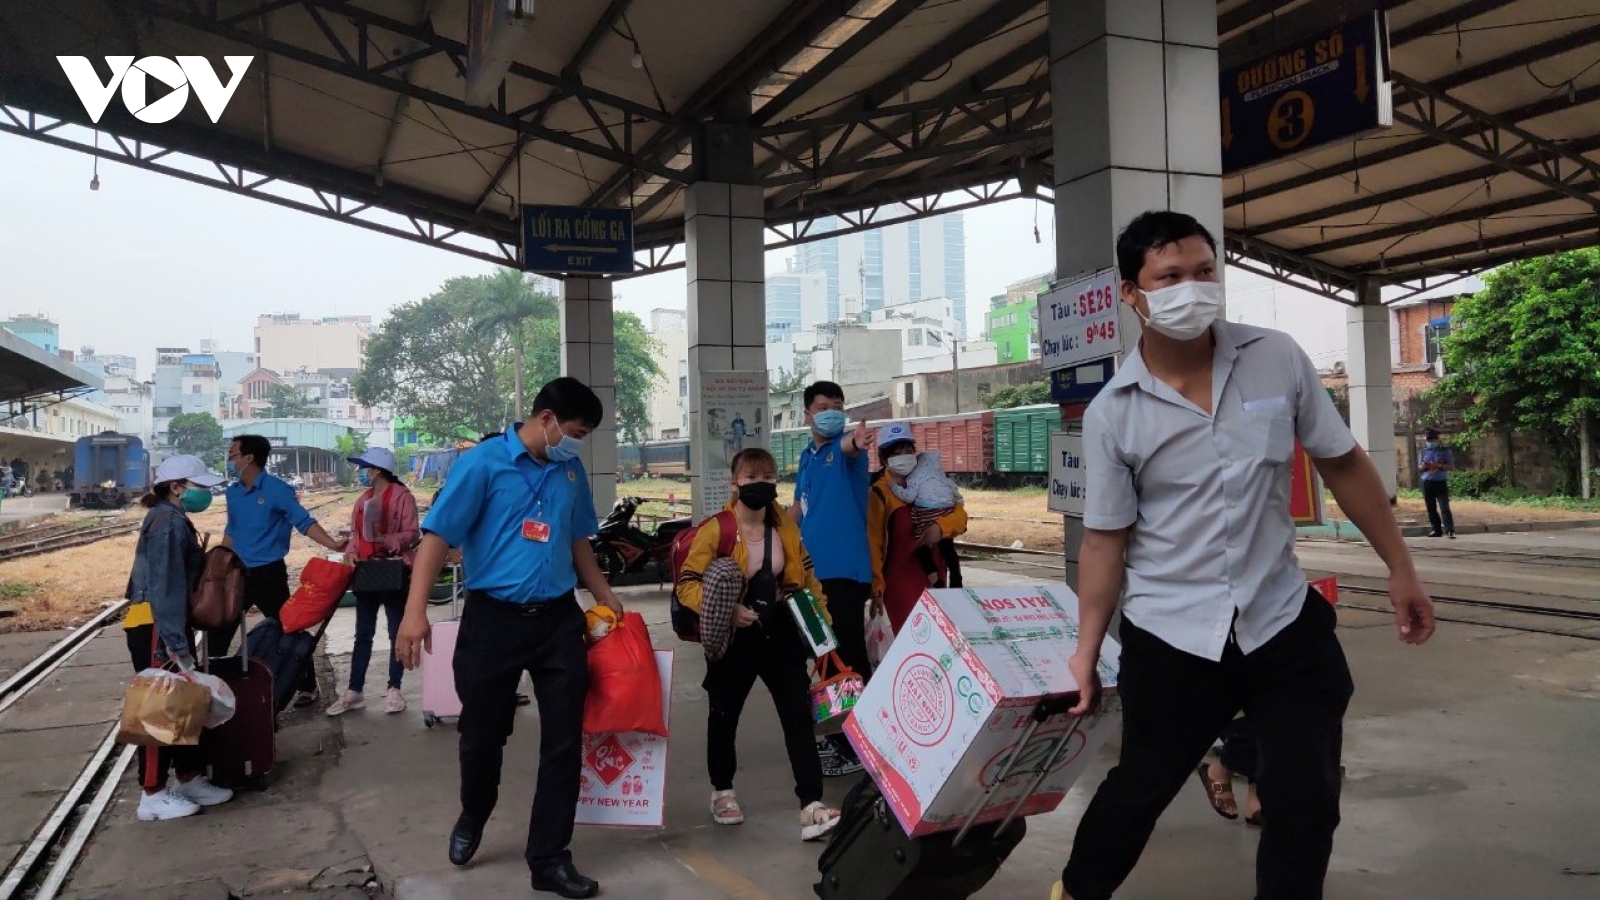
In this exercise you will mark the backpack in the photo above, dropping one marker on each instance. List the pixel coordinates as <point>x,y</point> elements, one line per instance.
<point>218,597</point>
<point>685,621</point>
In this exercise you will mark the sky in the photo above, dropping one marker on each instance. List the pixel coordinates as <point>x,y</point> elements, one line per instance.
<point>150,260</point>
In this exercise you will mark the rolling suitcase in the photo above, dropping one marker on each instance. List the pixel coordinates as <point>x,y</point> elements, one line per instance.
<point>285,655</point>
<point>439,700</point>
<point>870,857</point>
<point>242,752</point>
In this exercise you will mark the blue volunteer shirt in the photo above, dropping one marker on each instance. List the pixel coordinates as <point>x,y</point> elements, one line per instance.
<point>493,489</point>
<point>832,493</point>
<point>259,519</point>
<point>1440,455</point>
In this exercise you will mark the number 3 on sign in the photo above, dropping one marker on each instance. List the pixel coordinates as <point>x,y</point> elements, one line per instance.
<point>1102,331</point>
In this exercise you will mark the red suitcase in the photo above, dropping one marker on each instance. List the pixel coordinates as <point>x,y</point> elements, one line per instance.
<point>243,751</point>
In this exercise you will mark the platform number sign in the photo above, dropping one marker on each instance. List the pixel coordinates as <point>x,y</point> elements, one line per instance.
<point>1325,89</point>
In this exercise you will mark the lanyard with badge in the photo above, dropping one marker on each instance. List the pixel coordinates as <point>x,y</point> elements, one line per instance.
<point>535,528</point>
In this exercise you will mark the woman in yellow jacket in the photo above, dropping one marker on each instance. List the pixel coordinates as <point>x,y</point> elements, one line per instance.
<point>898,577</point>
<point>743,593</point>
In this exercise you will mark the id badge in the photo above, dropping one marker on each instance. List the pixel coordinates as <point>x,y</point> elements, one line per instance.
<point>535,530</point>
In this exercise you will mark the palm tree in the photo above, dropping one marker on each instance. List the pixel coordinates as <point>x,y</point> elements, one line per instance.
<point>507,301</point>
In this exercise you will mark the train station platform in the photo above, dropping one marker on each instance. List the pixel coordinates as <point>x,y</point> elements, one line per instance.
<point>1470,774</point>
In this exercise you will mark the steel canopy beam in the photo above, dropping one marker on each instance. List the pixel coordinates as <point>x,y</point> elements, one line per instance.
<point>853,45</point>
<point>1567,233</point>
<point>1290,267</point>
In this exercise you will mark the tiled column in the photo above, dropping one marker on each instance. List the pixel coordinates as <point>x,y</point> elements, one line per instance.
<point>588,353</point>
<point>1136,129</point>
<point>726,270</point>
<point>1371,369</point>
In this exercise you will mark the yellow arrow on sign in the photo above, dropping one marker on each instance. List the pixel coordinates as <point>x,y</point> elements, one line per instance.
<point>1227,123</point>
<point>1361,72</point>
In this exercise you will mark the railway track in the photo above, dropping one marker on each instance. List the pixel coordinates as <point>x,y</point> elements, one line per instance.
<point>74,536</point>
<point>40,869</point>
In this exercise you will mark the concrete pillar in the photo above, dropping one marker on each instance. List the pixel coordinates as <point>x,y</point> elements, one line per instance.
<point>588,353</point>
<point>726,272</point>
<point>1136,129</point>
<point>1371,369</point>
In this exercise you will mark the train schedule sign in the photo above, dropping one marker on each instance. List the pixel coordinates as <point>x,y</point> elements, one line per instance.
<point>1330,87</point>
<point>1078,321</point>
<point>1069,485</point>
<point>577,240</point>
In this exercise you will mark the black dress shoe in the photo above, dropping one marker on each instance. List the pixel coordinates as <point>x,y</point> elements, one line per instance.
<point>563,878</point>
<point>464,840</point>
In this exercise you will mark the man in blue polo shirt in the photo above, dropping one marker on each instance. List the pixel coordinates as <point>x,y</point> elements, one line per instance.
<point>262,509</point>
<point>831,509</point>
<point>520,509</point>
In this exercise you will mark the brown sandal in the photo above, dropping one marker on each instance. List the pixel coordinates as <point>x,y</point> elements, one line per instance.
<point>1220,793</point>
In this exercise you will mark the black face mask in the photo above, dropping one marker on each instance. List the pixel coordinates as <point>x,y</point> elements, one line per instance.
<point>758,494</point>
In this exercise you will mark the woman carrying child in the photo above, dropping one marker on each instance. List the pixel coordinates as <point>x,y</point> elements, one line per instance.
<point>904,537</point>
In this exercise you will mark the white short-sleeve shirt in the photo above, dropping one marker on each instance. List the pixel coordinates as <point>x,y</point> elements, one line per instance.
<point>1207,496</point>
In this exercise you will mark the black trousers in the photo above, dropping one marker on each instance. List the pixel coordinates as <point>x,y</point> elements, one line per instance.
<point>266,588</point>
<point>1240,755</point>
<point>1294,689</point>
<point>495,644</point>
<point>153,763</point>
<point>1436,494</point>
<point>847,604</point>
<point>775,656</point>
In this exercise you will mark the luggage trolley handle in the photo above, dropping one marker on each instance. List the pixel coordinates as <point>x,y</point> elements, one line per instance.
<point>1042,711</point>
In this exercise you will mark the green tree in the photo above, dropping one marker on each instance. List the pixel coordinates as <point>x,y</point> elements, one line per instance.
<point>637,363</point>
<point>1017,395</point>
<point>198,434</point>
<point>1524,354</point>
<point>788,381</point>
<point>509,302</point>
<point>435,362</point>
<point>286,401</point>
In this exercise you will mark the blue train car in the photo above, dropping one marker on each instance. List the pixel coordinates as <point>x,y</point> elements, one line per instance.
<point>109,471</point>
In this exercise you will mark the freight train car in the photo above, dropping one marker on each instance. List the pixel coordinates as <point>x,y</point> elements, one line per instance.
<point>109,471</point>
<point>654,459</point>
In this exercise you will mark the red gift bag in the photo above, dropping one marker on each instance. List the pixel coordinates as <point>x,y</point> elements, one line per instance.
<point>624,682</point>
<point>321,585</point>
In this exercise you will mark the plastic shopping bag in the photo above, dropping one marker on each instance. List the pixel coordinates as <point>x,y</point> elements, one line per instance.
<point>223,703</point>
<point>163,709</point>
<point>322,585</point>
<point>880,634</point>
<point>624,682</point>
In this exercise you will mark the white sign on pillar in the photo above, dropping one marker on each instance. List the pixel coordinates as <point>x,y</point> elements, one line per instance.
<point>734,408</point>
<point>1078,321</point>
<point>1069,485</point>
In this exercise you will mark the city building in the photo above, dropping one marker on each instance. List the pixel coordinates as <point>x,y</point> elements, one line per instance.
<point>39,330</point>
<point>1012,322</point>
<point>669,399</point>
<point>184,382</point>
<point>285,342</point>
<point>796,302</point>
<point>888,266</point>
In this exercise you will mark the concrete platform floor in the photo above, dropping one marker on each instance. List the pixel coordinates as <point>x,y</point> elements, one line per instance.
<point>1471,762</point>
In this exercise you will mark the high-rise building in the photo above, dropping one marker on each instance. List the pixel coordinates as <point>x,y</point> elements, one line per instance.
<point>669,400</point>
<point>288,343</point>
<point>900,263</point>
<point>796,303</point>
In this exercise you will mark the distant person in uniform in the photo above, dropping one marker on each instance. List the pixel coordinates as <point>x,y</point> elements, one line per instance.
<point>831,508</point>
<point>1436,463</point>
<point>262,510</point>
<point>1188,526</point>
<point>739,430</point>
<point>520,509</point>
<point>166,561</point>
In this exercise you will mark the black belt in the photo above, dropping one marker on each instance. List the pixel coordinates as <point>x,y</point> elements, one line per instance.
<point>531,608</point>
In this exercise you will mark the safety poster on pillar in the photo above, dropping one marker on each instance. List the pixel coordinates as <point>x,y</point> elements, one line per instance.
<point>734,409</point>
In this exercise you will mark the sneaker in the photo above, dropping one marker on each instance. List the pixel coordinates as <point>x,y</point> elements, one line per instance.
<point>199,790</point>
<point>1450,534</point>
<point>394,702</point>
<point>306,698</point>
<point>165,805</point>
<point>836,764</point>
<point>1435,534</point>
<point>347,701</point>
<point>817,820</point>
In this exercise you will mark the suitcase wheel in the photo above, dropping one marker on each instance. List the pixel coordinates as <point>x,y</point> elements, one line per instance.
<point>429,719</point>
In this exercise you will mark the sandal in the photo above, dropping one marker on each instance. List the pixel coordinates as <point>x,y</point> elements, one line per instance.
<point>1220,793</point>
<point>725,808</point>
<point>816,820</point>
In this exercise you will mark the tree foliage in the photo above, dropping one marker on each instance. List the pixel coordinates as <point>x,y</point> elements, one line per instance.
<point>449,359</point>
<point>788,381</point>
<point>198,434</point>
<point>285,401</point>
<point>1017,395</point>
<point>1524,353</point>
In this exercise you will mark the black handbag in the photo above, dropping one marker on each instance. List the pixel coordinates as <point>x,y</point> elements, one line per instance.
<point>375,576</point>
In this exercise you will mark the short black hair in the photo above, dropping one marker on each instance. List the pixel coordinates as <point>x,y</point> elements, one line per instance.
<point>1431,434</point>
<point>570,399</point>
<point>256,447</point>
<point>823,389</point>
<point>1152,231</point>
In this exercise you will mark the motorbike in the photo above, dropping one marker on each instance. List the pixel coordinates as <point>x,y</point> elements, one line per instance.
<point>10,486</point>
<point>621,547</point>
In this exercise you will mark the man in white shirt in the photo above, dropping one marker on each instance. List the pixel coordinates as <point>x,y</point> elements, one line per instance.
<point>1187,451</point>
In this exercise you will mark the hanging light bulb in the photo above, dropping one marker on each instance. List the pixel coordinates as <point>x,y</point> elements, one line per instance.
<point>94,183</point>
<point>638,58</point>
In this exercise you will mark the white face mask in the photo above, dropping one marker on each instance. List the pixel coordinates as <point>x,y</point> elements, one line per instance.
<point>903,464</point>
<point>1184,311</point>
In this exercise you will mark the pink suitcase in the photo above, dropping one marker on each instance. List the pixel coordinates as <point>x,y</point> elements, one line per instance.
<point>439,700</point>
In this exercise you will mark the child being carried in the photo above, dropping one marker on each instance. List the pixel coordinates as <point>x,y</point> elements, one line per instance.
<point>932,495</point>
